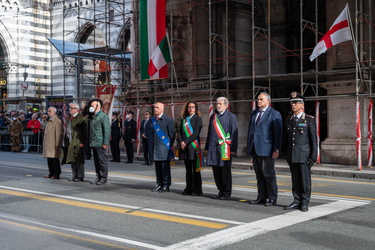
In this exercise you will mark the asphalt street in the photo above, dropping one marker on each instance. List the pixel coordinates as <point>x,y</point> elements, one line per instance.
<point>39,213</point>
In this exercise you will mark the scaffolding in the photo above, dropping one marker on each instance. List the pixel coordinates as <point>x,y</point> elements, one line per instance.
<point>217,55</point>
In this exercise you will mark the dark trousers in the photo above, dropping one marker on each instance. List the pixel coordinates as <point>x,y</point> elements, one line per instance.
<point>193,178</point>
<point>301,182</point>
<point>147,151</point>
<point>88,152</point>
<point>223,179</point>
<point>54,167</point>
<point>264,167</point>
<point>163,173</point>
<point>78,170</point>
<point>129,150</point>
<point>101,163</point>
<point>115,149</point>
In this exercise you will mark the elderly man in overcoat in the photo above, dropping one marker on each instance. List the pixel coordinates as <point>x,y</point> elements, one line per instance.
<point>163,138</point>
<point>221,144</point>
<point>74,142</point>
<point>52,144</point>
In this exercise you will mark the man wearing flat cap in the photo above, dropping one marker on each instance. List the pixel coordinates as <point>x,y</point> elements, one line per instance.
<point>302,151</point>
<point>100,131</point>
<point>130,130</point>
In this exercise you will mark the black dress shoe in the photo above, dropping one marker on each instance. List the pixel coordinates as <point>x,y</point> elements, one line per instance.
<point>112,160</point>
<point>218,195</point>
<point>156,189</point>
<point>95,181</point>
<point>186,192</point>
<point>55,177</point>
<point>78,179</point>
<point>225,197</point>
<point>47,176</point>
<point>270,203</point>
<point>258,201</point>
<point>292,206</point>
<point>164,189</point>
<point>129,161</point>
<point>304,208</point>
<point>195,194</point>
<point>102,182</point>
<point>144,163</point>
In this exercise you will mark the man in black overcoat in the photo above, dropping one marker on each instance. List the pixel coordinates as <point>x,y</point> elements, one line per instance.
<point>130,135</point>
<point>222,164</point>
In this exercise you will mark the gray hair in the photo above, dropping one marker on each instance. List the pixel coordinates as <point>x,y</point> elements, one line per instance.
<point>224,99</point>
<point>75,105</point>
<point>266,95</point>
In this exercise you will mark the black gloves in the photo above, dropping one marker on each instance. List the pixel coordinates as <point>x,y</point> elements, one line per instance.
<point>310,163</point>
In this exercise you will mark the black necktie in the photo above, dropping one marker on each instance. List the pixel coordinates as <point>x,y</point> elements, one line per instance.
<point>295,120</point>
<point>259,116</point>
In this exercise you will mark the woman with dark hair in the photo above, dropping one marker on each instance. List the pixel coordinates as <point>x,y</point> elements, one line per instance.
<point>190,150</point>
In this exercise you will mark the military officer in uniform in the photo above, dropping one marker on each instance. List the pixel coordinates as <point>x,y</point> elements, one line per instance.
<point>302,151</point>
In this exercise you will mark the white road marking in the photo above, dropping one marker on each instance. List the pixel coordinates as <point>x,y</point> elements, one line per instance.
<point>125,206</point>
<point>239,233</point>
<point>83,232</point>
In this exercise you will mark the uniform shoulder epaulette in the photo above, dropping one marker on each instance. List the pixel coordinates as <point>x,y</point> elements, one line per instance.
<point>310,116</point>
<point>288,117</point>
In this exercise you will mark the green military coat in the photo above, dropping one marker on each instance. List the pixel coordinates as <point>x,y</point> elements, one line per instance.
<point>71,150</point>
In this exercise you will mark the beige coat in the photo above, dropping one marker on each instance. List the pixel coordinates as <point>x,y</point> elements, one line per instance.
<point>53,138</point>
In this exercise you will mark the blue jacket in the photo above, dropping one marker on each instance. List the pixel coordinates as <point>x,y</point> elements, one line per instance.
<point>161,152</point>
<point>266,136</point>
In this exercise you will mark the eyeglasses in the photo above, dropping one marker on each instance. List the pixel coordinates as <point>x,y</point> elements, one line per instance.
<point>71,108</point>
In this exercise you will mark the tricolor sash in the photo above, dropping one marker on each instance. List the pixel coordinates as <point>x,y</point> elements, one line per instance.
<point>188,129</point>
<point>160,133</point>
<point>224,140</point>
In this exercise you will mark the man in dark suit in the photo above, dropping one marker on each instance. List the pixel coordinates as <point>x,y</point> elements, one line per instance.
<point>263,145</point>
<point>130,135</point>
<point>302,151</point>
<point>221,144</point>
<point>116,129</point>
<point>146,132</point>
<point>163,138</point>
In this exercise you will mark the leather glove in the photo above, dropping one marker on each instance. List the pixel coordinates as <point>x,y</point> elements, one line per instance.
<point>310,163</point>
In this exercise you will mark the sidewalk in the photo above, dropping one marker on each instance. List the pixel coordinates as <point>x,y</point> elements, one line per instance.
<point>282,166</point>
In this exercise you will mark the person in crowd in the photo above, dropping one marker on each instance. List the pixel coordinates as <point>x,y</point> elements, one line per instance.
<point>15,133</point>
<point>34,126</point>
<point>300,130</point>
<point>130,135</point>
<point>263,145</point>
<point>43,125</point>
<point>52,144</point>
<point>190,148</point>
<point>163,138</point>
<point>74,142</point>
<point>116,130</point>
<point>221,145</point>
<point>25,138</point>
<point>100,132</point>
<point>146,132</point>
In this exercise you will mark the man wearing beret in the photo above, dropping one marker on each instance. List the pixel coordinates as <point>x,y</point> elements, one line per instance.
<point>302,151</point>
<point>130,135</point>
<point>100,131</point>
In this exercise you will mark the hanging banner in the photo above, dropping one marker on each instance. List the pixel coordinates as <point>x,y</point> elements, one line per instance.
<point>358,142</point>
<point>369,135</point>
<point>138,132</point>
<point>106,93</point>
<point>317,120</point>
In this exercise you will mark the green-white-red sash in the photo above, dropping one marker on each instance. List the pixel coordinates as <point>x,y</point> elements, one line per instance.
<point>224,140</point>
<point>188,129</point>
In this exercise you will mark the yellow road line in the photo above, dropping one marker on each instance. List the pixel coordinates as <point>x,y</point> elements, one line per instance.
<point>106,208</point>
<point>67,235</point>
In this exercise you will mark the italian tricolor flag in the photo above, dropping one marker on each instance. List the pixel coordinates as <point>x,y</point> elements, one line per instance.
<point>155,52</point>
